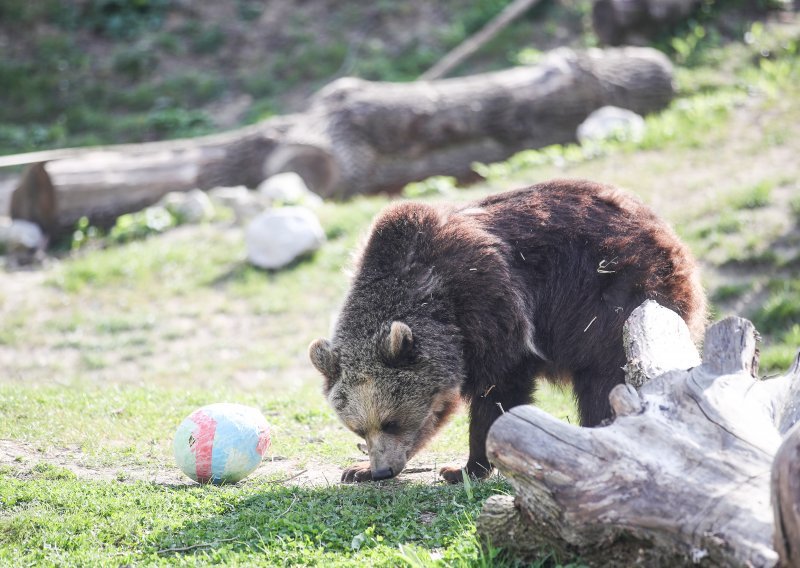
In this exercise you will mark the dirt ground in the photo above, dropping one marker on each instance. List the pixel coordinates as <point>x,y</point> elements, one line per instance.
<point>677,184</point>
<point>23,457</point>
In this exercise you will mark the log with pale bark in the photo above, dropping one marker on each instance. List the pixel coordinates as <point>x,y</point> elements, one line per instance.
<point>356,137</point>
<point>619,22</point>
<point>701,464</point>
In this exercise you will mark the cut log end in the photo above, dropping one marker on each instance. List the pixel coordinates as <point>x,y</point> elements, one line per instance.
<point>34,199</point>
<point>656,340</point>
<point>315,165</point>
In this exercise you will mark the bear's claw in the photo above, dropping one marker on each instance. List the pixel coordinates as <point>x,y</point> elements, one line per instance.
<point>357,473</point>
<point>456,474</point>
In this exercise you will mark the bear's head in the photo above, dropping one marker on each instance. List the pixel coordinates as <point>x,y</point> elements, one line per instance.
<point>394,387</point>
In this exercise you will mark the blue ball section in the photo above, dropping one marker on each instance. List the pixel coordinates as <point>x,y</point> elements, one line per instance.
<point>221,443</point>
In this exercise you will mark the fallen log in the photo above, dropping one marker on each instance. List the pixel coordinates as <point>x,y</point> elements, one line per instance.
<point>61,186</point>
<point>356,137</point>
<point>682,474</point>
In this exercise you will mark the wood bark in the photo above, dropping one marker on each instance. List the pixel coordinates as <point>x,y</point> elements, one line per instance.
<point>619,22</point>
<point>356,137</point>
<point>59,187</point>
<point>680,477</point>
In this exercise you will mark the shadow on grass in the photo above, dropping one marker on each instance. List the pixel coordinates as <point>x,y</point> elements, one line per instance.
<point>365,524</point>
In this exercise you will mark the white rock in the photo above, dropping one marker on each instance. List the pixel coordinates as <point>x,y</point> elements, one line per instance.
<point>5,228</point>
<point>611,122</point>
<point>244,203</point>
<point>24,243</point>
<point>24,235</point>
<point>277,237</point>
<point>189,207</point>
<point>288,188</point>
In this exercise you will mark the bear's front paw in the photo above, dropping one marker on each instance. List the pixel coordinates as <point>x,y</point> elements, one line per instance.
<point>452,474</point>
<point>456,474</point>
<point>356,473</point>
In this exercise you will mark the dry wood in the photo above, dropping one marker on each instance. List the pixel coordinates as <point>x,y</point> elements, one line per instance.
<point>356,137</point>
<point>786,499</point>
<point>681,476</point>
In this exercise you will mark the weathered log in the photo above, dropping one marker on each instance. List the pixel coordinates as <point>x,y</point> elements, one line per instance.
<point>786,494</point>
<point>384,135</point>
<point>356,137</point>
<point>681,476</point>
<point>618,22</point>
<point>61,186</point>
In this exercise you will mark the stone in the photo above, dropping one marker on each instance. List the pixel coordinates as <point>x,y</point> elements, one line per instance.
<point>25,242</point>
<point>188,207</point>
<point>275,238</point>
<point>610,122</point>
<point>244,203</point>
<point>5,228</point>
<point>288,188</point>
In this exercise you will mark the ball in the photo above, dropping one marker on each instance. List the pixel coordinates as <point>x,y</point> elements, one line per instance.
<point>221,443</point>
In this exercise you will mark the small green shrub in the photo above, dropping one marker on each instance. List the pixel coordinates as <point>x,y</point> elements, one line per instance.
<point>781,310</point>
<point>731,291</point>
<point>753,197</point>
<point>177,122</point>
<point>123,19</point>
<point>777,357</point>
<point>133,226</point>
<point>436,185</point>
<point>135,62</point>
<point>208,40</point>
<point>43,470</point>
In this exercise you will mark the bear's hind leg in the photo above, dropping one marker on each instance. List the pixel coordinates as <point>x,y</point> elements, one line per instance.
<point>592,387</point>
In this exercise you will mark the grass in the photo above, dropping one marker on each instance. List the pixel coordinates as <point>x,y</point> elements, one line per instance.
<point>106,349</point>
<point>59,522</point>
<point>136,335</point>
<point>128,87</point>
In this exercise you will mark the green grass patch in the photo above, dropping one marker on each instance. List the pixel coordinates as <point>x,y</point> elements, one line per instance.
<point>781,310</point>
<point>727,292</point>
<point>53,521</point>
<point>778,356</point>
<point>752,197</point>
<point>135,424</point>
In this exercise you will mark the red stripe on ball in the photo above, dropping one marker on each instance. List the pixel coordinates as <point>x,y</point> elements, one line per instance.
<point>204,444</point>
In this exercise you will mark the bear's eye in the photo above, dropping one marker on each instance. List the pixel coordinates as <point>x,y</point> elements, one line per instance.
<point>390,427</point>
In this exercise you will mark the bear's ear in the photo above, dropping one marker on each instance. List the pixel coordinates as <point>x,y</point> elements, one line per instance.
<point>397,345</point>
<point>326,360</point>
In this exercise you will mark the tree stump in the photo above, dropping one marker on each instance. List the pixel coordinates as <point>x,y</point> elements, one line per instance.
<point>683,474</point>
<point>356,137</point>
<point>618,22</point>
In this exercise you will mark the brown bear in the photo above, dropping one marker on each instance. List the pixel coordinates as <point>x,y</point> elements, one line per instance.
<point>475,301</point>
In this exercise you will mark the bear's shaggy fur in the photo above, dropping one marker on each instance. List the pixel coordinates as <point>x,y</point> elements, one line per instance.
<point>476,301</point>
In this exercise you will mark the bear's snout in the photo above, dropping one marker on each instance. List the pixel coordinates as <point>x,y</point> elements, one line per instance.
<point>385,473</point>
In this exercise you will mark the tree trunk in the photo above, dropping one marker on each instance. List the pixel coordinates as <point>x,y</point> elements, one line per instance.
<point>618,22</point>
<point>682,474</point>
<point>356,137</point>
